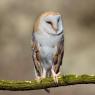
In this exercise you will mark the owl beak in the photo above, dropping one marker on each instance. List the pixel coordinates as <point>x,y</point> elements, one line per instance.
<point>55,28</point>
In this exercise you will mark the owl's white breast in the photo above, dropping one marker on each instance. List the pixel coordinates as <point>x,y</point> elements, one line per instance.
<point>45,39</point>
<point>47,44</point>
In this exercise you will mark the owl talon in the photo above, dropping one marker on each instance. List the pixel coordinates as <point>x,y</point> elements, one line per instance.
<point>55,77</point>
<point>38,79</point>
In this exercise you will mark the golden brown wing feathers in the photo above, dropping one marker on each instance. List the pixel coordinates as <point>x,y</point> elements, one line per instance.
<point>36,56</point>
<point>59,55</point>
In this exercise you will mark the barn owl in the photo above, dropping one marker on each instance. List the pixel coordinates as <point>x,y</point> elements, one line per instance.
<point>48,45</point>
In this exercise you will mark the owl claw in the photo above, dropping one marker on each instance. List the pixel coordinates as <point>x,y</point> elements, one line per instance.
<point>55,77</point>
<point>38,79</point>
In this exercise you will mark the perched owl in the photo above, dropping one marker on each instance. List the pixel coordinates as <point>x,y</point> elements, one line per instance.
<point>48,45</point>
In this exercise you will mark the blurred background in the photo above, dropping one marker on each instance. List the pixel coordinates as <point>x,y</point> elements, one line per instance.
<point>16,24</point>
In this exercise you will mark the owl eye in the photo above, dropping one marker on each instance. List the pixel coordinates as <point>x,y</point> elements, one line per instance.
<point>58,20</point>
<point>49,22</point>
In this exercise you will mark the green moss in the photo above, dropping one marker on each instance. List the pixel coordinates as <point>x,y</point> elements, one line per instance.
<point>66,80</point>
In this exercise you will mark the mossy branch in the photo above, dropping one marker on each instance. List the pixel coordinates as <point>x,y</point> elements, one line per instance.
<point>15,85</point>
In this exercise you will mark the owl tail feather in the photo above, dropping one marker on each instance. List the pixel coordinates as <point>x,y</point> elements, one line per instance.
<point>47,90</point>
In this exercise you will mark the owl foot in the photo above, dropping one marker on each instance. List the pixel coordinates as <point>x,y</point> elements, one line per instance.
<point>43,76</point>
<point>55,77</point>
<point>38,79</point>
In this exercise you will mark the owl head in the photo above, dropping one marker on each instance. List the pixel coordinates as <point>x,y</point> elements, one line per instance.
<point>50,23</point>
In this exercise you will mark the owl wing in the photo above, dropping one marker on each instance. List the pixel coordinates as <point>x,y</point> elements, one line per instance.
<point>59,55</point>
<point>36,56</point>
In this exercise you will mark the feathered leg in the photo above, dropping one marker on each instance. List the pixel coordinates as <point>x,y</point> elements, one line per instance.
<point>43,73</point>
<point>55,76</point>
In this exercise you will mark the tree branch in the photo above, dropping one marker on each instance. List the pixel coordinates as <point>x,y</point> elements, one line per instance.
<point>15,85</point>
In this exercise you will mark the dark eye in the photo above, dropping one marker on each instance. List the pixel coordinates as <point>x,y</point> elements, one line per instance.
<point>49,22</point>
<point>58,19</point>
